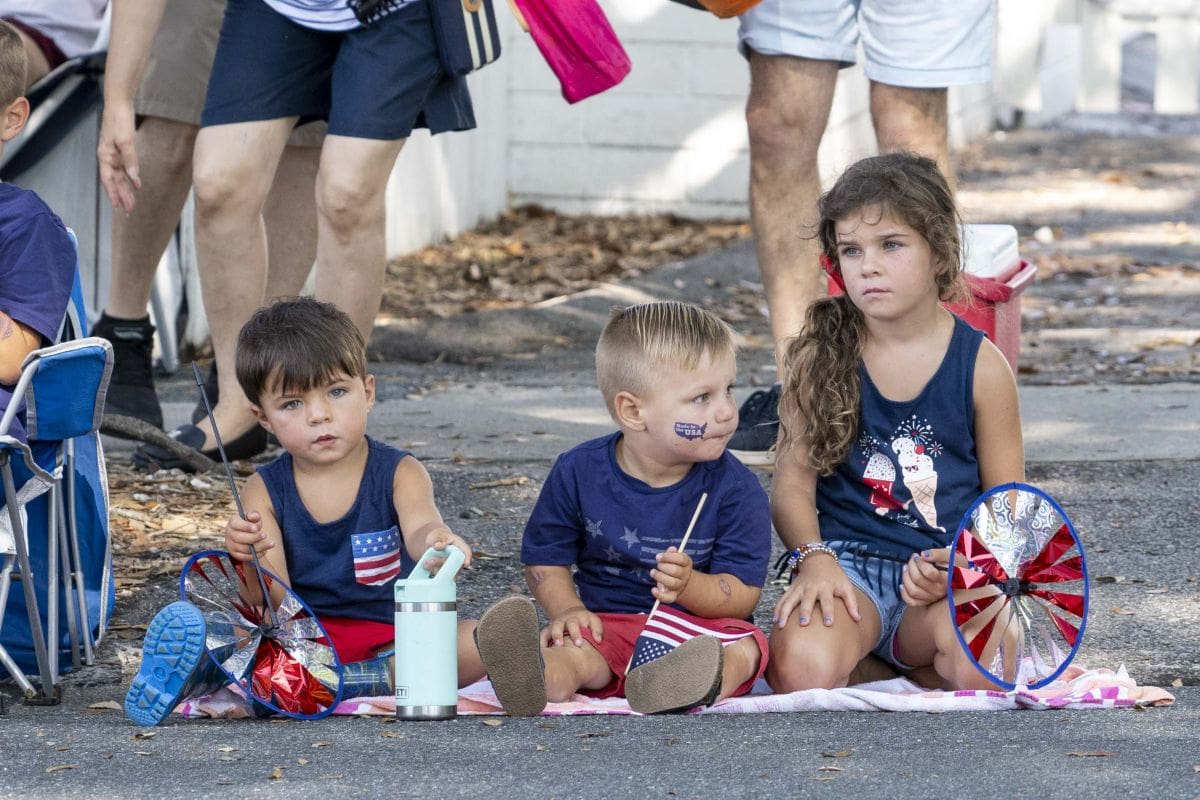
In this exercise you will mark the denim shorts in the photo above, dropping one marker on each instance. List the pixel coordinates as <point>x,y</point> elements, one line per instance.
<point>918,45</point>
<point>373,82</point>
<point>879,579</point>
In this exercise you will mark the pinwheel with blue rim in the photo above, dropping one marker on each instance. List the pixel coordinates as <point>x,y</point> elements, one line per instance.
<point>1018,587</point>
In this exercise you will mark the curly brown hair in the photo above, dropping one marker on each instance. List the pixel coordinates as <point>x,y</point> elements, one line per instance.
<point>819,404</point>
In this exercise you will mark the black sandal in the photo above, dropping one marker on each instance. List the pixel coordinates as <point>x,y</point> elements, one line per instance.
<point>153,457</point>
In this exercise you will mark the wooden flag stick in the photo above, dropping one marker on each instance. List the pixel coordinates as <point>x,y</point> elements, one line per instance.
<point>682,544</point>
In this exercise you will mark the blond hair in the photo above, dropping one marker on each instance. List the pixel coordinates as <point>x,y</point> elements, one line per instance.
<point>639,339</point>
<point>819,404</point>
<point>12,64</point>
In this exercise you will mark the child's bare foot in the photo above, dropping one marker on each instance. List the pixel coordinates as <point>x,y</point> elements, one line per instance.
<point>508,642</point>
<point>686,677</point>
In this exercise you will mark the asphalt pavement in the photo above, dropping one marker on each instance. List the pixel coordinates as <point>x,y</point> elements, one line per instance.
<point>486,401</point>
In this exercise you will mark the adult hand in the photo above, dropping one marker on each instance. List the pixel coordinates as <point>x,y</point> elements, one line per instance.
<point>819,585</point>
<point>568,624</point>
<point>672,574</point>
<point>117,155</point>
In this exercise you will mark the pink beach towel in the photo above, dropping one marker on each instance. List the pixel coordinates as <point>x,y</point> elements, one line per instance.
<point>1079,688</point>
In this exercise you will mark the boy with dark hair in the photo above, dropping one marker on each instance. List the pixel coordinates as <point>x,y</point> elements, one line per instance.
<point>37,257</point>
<point>303,364</point>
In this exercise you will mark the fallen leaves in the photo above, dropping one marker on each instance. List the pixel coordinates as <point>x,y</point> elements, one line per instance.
<point>838,753</point>
<point>519,480</point>
<point>493,723</point>
<point>531,254</point>
<point>157,521</point>
<point>106,705</point>
<point>1091,754</point>
<point>60,767</point>
<point>1121,612</point>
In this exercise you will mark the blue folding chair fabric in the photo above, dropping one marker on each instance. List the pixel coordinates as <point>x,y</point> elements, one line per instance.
<point>66,529</point>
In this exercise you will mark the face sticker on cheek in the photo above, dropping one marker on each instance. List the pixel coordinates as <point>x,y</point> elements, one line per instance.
<point>690,430</point>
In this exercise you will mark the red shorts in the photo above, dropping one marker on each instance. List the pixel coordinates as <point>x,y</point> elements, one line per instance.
<point>359,639</point>
<point>54,56</point>
<point>622,630</point>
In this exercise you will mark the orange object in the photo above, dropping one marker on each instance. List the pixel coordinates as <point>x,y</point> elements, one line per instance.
<point>721,8</point>
<point>728,8</point>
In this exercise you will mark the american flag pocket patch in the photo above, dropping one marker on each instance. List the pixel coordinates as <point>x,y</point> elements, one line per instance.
<point>376,556</point>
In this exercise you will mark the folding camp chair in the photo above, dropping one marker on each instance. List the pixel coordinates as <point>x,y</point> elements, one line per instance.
<point>56,498</point>
<point>55,155</point>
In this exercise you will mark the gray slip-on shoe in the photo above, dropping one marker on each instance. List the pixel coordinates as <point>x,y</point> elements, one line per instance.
<point>511,649</point>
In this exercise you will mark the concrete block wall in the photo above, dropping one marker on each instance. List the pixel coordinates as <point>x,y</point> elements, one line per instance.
<point>672,136</point>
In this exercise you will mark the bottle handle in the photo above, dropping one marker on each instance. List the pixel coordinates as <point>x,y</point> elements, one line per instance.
<point>454,561</point>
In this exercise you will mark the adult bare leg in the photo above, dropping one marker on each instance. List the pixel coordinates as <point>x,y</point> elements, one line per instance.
<point>914,120</point>
<point>351,251</point>
<point>233,171</point>
<point>139,238</point>
<point>138,241</point>
<point>290,216</point>
<point>786,115</point>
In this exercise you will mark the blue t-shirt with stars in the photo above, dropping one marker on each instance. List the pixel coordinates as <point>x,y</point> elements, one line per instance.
<point>610,525</point>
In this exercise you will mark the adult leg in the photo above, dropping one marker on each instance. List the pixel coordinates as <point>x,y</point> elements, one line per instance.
<point>290,217</point>
<point>912,119</point>
<point>138,241</point>
<point>818,656</point>
<point>786,115</point>
<point>233,171</point>
<point>139,238</point>
<point>351,251</point>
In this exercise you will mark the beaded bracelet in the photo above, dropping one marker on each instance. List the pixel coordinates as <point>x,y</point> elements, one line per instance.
<point>797,556</point>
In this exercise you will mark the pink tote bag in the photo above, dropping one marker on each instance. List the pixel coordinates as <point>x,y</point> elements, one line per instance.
<point>577,42</point>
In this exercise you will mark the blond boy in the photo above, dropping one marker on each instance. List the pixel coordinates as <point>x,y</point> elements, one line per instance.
<point>615,509</point>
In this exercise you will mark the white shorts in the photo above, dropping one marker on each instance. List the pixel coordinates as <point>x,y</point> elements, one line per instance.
<point>918,45</point>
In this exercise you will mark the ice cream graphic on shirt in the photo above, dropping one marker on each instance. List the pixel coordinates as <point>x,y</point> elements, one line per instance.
<point>880,474</point>
<point>918,476</point>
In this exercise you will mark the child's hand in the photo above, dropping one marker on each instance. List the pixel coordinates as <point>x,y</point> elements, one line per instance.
<point>672,574</point>
<point>923,583</point>
<point>568,624</point>
<point>243,534</point>
<point>439,539</point>
<point>820,580</point>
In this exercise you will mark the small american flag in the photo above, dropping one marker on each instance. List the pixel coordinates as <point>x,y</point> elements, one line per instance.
<point>376,556</point>
<point>667,628</point>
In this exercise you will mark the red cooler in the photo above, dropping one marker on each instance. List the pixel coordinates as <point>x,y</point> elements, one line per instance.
<point>996,276</point>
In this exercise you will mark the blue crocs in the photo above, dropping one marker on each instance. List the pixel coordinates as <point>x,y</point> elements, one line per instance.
<point>175,665</point>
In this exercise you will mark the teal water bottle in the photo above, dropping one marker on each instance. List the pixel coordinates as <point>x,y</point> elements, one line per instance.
<point>427,639</point>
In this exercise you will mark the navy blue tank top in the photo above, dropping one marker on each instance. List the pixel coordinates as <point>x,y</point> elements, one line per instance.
<point>344,568</point>
<point>913,472</point>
